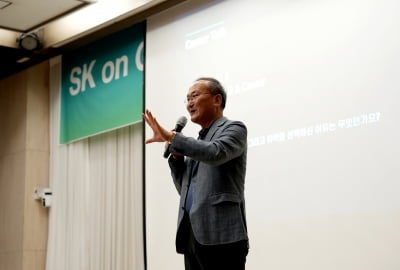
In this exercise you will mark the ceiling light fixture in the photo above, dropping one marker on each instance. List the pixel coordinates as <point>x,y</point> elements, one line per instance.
<point>29,42</point>
<point>23,60</point>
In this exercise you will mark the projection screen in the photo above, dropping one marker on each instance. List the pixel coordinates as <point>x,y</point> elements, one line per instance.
<point>317,84</point>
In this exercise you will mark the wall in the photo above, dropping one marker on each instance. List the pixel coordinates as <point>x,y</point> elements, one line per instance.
<point>24,158</point>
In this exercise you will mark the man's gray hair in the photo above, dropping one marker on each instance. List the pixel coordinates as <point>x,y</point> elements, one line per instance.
<point>215,88</point>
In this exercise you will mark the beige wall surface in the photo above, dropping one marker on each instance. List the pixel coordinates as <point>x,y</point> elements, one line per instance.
<point>24,159</point>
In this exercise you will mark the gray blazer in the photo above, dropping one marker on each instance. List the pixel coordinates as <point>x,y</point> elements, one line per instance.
<point>218,214</point>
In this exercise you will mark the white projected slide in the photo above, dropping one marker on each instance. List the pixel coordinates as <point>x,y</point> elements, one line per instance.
<point>317,84</point>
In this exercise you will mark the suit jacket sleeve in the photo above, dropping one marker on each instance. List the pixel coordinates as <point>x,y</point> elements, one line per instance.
<point>230,142</point>
<point>177,167</point>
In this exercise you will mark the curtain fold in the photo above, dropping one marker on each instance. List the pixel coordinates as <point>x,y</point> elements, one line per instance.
<point>96,218</point>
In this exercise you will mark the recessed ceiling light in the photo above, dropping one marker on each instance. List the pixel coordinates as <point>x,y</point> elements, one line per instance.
<point>23,60</point>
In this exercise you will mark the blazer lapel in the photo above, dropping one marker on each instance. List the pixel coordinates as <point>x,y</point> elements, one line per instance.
<point>218,123</point>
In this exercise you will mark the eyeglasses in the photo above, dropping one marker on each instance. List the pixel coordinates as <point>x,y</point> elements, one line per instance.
<point>193,97</point>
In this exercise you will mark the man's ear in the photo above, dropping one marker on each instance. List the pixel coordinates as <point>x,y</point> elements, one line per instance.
<point>218,99</point>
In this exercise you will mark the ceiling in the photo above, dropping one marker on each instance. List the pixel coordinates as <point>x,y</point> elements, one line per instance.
<point>27,15</point>
<point>23,16</point>
<point>18,17</point>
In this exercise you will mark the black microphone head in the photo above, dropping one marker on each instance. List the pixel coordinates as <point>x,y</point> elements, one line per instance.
<point>181,123</point>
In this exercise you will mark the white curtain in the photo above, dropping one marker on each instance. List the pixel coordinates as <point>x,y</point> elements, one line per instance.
<point>96,217</point>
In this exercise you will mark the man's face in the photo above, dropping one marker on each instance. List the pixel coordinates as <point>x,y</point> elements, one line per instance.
<point>201,104</point>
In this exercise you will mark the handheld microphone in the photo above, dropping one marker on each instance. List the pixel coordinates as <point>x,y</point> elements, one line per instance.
<point>180,124</point>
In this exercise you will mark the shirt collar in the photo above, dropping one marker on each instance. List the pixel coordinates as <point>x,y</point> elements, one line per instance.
<point>203,133</point>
